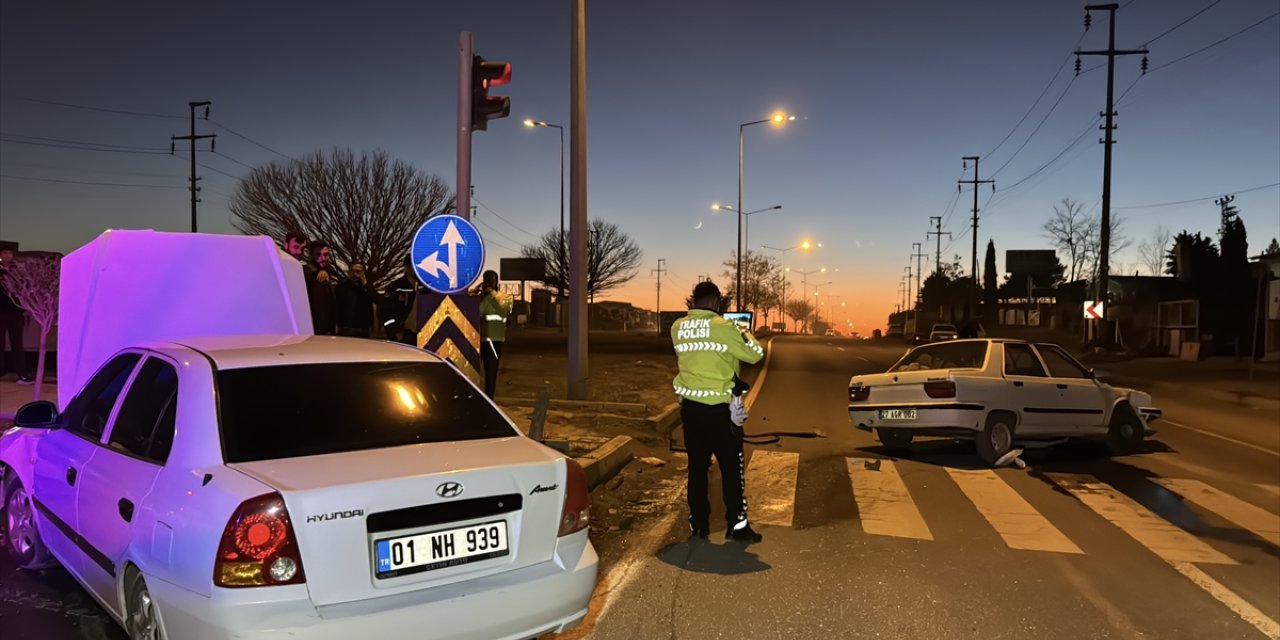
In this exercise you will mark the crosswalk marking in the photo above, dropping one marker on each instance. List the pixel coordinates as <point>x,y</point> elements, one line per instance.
<point>1021,526</point>
<point>771,486</point>
<point>1162,538</point>
<point>1264,525</point>
<point>884,504</point>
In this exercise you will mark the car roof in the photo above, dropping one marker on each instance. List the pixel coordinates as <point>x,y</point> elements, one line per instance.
<point>238,352</point>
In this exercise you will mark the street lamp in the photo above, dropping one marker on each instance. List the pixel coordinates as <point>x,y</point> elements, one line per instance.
<point>804,246</point>
<point>564,275</point>
<point>778,119</point>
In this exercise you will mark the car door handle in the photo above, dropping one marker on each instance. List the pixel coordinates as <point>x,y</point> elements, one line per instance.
<point>1062,386</point>
<point>126,509</point>
<point>1017,384</point>
<point>71,476</point>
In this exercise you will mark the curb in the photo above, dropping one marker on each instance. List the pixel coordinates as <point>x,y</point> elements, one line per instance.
<point>606,461</point>
<point>629,409</point>
<point>666,420</point>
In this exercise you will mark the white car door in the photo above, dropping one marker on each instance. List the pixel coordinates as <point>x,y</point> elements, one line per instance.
<point>1081,402</point>
<point>1030,392</point>
<point>119,478</point>
<point>62,455</point>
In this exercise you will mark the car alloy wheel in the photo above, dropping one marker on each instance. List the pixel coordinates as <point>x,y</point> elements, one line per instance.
<point>21,526</point>
<point>142,622</point>
<point>1001,439</point>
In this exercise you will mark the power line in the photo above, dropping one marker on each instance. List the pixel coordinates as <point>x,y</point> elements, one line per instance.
<point>247,138</point>
<point>1171,204</point>
<point>99,109</point>
<point>1210,46</point>
<point>81,142</point>
<point>1038,126</point>
<point>53,145</point>
<point>492,241</point>
<point>99,184</point>
<point>1040,97</point>
<point>219,153</point>
<point>1180,24</point>
<point>1054,159</point>
<point>502,218</point>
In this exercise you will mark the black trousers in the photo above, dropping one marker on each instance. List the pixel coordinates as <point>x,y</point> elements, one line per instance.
<point>709,431</point>
<point>11,325</point>
<point>490,353</point>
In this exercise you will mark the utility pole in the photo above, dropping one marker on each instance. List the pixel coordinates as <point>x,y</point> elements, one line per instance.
<point>578,204</point>
<point>195,190</point>
<point>973,270</point>
<point>1104,251</point>
<point>937,224</point>
<point>657,310</point>
<point>902,291</point>
<point>917,253</point>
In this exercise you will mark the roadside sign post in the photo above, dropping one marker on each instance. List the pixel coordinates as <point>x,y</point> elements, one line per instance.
<point>1094,310</point>
<point>448,257</point>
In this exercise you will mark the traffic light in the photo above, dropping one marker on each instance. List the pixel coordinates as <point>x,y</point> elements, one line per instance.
<point>485,107</point>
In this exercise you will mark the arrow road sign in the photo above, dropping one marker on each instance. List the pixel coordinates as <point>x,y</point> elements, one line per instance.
<point>463,251</point>
<point>1094,310</point>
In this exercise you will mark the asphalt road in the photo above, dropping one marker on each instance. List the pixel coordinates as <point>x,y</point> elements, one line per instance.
<point>1180,541</point>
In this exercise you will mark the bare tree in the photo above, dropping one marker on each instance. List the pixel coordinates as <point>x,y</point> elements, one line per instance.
<point>33,282</point>
<point>1093,242</point>
<point>366,208</point>
<point>761,281</point>
<point>613,258</point>
<point>1152,251</point>
<point>1069,231</point>
<point>800,310</point>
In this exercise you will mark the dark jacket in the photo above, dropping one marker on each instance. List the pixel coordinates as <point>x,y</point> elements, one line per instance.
<point>7,305</point>
<point>321,297</point>
<point>354,305</point>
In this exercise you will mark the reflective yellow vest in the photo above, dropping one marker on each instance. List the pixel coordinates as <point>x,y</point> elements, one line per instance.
<point>709,352</point>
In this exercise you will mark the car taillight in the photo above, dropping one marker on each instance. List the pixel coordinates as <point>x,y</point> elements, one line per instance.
<point>575,515</point>
<point>258,547</point>
<point>945,389</point>
<point>859,393</point>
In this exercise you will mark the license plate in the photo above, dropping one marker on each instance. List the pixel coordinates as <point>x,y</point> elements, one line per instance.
<point>440,549</point>
<point>897,414</point>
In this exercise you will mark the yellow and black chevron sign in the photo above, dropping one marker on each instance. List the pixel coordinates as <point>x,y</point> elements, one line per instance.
<point>450,330</point>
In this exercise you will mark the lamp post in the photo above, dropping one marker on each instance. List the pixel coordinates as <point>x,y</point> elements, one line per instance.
<point>742,237</point>
<point>777,119</point>
<point>564,275</point>
<point>806,245</point>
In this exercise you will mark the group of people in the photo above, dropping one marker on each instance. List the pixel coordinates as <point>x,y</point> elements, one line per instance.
<point>12,326</point>
<point>341,304</point>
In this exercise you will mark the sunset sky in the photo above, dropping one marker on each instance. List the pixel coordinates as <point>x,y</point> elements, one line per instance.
<point>888,98</point>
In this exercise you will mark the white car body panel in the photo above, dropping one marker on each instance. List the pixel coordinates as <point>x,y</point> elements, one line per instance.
<point>1045,407</point>
<point>180,510</point>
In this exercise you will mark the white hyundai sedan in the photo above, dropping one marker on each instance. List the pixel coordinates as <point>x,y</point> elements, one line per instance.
<point>298,487</point>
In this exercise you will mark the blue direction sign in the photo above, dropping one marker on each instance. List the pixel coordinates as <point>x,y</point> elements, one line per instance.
<point>447,254</point>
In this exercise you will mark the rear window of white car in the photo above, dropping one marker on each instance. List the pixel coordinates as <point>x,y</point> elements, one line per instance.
<point>268,413</point>
<point>950,355</point>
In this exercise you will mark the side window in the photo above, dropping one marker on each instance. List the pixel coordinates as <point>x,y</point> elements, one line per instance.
<point>1060,364</point>
<point>144,427</point>
<point>1020,360</point>
<point>87,414</point>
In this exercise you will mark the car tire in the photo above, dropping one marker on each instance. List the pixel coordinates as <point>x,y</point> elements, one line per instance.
<point>894,439</point>
<point>141,622</point>
<point>1126,431</point>
<point>22,539</point>
<point>996,438</point>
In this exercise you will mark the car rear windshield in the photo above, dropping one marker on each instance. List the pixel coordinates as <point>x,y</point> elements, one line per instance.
<point>950,355</point>
<point>289,411</point>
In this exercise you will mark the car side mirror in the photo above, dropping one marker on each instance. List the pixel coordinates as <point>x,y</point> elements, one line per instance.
<point>1099,374</point>
<point>36,415</point>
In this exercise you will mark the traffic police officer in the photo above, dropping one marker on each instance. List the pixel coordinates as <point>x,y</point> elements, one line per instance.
<point>709,350</point>
<point>495,307</point>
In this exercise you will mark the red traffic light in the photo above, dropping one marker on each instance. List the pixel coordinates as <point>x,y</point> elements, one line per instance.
<point>485,107</point>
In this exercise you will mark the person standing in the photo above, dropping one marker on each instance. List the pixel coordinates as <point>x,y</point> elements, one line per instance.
<point>494,307</point>
<point>321,278</point>
<point>709,352</point>
<point>295,244</point>
<point>355,303</point>
<point>12,324</point>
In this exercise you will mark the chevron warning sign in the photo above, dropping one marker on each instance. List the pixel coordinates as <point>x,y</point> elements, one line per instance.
<point>450,330</point>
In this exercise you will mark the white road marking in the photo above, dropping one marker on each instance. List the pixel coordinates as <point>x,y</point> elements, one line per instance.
<point>1153,532</point>
<point>1021,526</point>
<point>764,371</point>
<point>1219,436</point>
<point>885,506</point>
<point>1240,606</point>
<point>840,349</point>
<point>1262,524</point>
<point>863,359</point>
<point>771,486</point>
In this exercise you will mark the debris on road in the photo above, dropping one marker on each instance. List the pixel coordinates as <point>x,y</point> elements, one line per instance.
<point>653,462</point>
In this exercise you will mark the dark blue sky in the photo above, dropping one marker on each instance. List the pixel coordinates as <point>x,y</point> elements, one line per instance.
<point>889,96</point>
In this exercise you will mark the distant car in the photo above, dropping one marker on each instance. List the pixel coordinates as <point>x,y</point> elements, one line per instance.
<point>942,332</point>
<point>832,333</point>
<point>996,392</point>
<point>299,486</point>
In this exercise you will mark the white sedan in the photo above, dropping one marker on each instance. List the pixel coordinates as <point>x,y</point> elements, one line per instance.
<point>996,392</point>
<point>298,487</point>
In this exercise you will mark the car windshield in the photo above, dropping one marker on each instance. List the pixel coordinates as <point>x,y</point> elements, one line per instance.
<point>289,411</point>
<point>952,355</point>
<point>944,327</point>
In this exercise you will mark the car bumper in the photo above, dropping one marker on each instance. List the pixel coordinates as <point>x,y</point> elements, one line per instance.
<point>524,603</point>
<point>1150,414</point>
<point>942,419</point>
